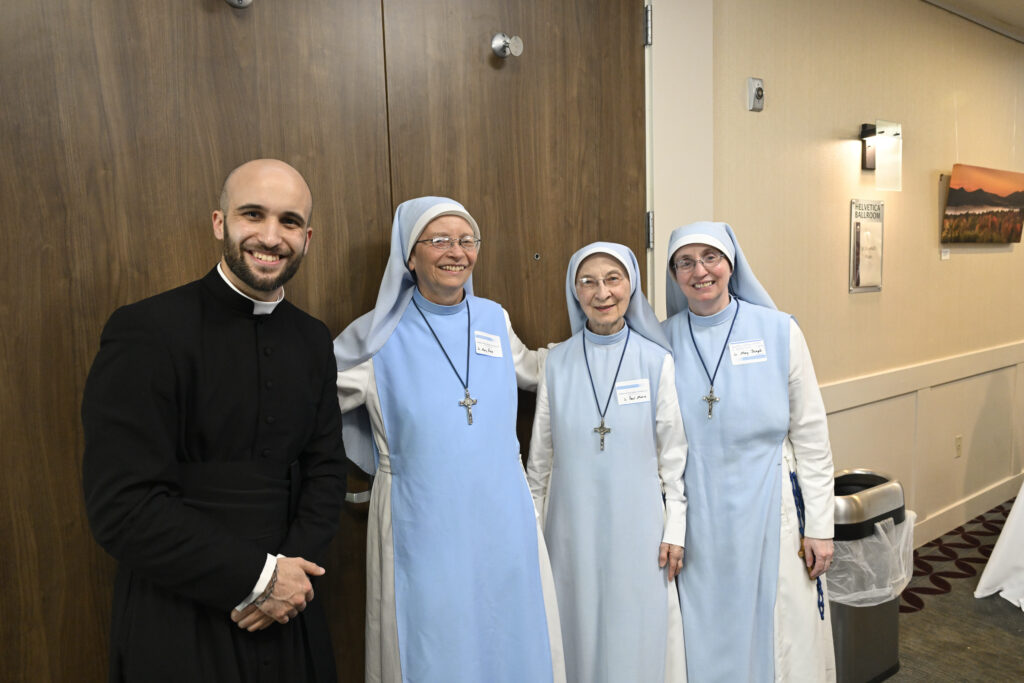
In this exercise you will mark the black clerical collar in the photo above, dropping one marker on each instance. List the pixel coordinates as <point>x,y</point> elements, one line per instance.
<point>258,307</point>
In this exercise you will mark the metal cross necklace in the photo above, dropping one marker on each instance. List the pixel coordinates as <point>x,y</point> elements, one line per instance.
<point>601,429</point>
<point>711,399</point>
<point>469,401</point>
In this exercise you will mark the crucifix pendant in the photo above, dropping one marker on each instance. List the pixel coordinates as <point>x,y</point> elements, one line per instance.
<point>468,404</point>
<point>602,430</point>
<point>711,400</point>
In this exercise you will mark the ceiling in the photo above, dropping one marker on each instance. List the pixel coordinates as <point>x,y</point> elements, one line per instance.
<point>1002,16</point>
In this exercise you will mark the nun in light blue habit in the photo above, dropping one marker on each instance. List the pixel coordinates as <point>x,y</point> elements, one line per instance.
<point>605,470</point>
<point>752,607</point>
<point>456,568</point>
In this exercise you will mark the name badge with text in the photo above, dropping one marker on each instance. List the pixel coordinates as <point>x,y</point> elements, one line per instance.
<point>633,391</point>
<point>746,352</point>
<point>487,344</point>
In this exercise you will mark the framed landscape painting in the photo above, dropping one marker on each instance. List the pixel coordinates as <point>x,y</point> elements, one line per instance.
<point>983,205</point>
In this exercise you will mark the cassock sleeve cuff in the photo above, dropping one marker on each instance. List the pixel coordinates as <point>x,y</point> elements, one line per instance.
<point>261,585</point>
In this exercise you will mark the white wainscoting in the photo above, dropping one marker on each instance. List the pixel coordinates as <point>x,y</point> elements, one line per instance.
<point>904,422</point>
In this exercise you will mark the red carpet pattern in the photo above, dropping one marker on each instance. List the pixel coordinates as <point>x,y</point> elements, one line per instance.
<point>959,554</point>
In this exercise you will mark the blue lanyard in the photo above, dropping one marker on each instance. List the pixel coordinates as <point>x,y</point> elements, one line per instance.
<point>602,430</point>
<point>798,498</point>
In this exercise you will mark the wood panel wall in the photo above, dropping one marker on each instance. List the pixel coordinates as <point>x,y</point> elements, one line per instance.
<point>545,149</point>
<point>118,123</point>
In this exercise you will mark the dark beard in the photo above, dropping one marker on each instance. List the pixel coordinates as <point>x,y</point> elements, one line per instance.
<point>233,257</point>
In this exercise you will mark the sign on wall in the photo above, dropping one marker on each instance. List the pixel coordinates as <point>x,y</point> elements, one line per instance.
<point>867,218</point>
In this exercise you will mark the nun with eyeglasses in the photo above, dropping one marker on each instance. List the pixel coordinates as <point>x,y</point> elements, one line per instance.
<point>759,471</point>
<point>605,470</point>
<point>458,584</point>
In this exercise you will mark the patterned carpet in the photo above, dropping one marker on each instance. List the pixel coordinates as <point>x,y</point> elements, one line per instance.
<point>946,635</point>
<point>959,554</point>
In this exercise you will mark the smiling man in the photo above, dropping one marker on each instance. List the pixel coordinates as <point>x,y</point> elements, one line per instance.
<point>268,241</point>
<point>213,461</point>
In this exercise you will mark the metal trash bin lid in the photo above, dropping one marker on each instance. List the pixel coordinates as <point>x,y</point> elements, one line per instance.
<point>863,498</point>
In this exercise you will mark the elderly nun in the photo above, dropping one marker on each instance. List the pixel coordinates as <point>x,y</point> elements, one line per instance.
<point>759,474</point>
<point>458,586</point>
<point>605,470</point>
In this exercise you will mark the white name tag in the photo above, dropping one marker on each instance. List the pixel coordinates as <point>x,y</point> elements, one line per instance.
<point>633,391</point>
<point>487,344</point>
<point>744,353</point>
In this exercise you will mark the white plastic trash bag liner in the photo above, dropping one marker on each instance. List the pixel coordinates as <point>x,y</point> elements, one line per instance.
<point>876,569</point>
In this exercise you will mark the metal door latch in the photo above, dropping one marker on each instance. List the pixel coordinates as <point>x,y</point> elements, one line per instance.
<point>503,45</point>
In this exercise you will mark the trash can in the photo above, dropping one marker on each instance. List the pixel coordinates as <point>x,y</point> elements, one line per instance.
<point>873,562</point>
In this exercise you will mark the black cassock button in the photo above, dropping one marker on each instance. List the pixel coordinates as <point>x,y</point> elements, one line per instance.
<point>265,453</point>
<point>269,384</point>
<point>268,350</point>
<point>269,419</point>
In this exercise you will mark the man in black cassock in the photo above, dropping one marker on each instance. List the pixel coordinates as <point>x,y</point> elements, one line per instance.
<point>213,467</point>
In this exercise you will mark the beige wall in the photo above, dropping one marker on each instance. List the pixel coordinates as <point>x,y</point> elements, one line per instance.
<point>680,117</point>
<point>940,350</point>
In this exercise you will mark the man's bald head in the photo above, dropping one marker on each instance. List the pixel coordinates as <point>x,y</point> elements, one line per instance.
<point>263,171</point>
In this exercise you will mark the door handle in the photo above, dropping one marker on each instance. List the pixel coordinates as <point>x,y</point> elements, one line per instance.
<point>503,45</point>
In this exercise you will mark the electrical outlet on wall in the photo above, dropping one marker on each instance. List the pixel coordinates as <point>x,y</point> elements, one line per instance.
<point>959,441</point>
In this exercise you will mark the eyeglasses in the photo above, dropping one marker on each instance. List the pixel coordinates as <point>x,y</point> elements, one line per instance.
<point>444,242</point>
<point>709,261</point>
<point>590,283</point>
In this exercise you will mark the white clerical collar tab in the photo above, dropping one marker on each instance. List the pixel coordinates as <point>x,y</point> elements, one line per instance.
<point>258,307</point>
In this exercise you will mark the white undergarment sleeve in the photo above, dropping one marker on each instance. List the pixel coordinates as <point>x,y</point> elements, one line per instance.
<point>671,443</point>
<point>529,363</point>
<point>808,432</point>
<point>352,385</point>
<point>356,387</point>
<point>538,465</point>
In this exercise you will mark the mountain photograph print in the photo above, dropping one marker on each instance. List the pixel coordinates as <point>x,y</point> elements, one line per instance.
<point>984,205</point>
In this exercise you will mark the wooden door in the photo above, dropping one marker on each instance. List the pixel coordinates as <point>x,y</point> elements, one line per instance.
<point>119,121</point>
<point>546,150</point>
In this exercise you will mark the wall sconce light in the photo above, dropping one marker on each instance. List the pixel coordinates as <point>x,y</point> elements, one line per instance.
<point>868,133</point>
<point>882,151</point>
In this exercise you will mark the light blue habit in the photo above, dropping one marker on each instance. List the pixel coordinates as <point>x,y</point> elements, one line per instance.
<point>468,598</point>
<point>605,515</point>
<point>467,580</point>
<point>733,478</point>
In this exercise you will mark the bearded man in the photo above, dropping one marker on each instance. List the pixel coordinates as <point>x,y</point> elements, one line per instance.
<point>213,466</point>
